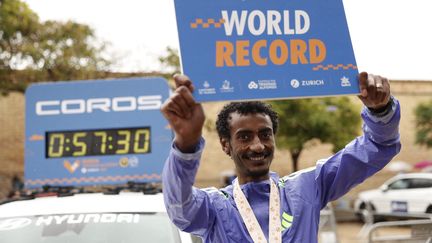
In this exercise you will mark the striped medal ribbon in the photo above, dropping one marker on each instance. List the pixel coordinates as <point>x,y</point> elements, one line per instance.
<point>250,220</point>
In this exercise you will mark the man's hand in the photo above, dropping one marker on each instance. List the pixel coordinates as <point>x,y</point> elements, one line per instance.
<point>374,91</point>
<point>185,116</point>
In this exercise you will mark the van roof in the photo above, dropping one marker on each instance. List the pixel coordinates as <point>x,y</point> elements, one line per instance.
<point>123,202</point>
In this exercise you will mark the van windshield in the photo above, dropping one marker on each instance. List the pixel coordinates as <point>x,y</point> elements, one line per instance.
<point>80,228</point>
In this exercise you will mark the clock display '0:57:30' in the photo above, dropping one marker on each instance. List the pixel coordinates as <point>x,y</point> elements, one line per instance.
<point>98,142</point>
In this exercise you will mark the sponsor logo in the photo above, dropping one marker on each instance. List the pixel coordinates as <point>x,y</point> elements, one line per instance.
<point>263,84</point>
<point>226,87</point>
<point>295,83</point>
<point>312,82</point>
<point>133,161</point>
<point>267,84</point>
<point>82,106</point>
<point>345,82</point>
<point>14,223</point>
<point>17,223</point>
<point>96,166</point>
<point>206,90</point>
<point>85,170</point>
<point>252,85</point>
<point>206,84</point>
<point>124,162</point>
<point>87,218</point>
<point>71,167</point>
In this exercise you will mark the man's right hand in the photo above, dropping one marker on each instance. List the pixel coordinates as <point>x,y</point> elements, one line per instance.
<point>185,116</point>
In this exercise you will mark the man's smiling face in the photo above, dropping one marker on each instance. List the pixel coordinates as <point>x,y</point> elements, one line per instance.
<point>251,145</point>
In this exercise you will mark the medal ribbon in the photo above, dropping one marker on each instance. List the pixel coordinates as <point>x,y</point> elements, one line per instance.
<point>250,220</point>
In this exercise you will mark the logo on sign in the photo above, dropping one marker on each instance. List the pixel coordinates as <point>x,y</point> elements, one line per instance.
<point>318,82</point>
<point>252,85</point>
<point>133,161</point>
<point>295,83</point>
<point>206,84</point>
<point>345,82</point>
<point>71,167</point>
<point>267,84</point>
<point>207,89</point>
<point>226,87</point>
<point>81,106</point>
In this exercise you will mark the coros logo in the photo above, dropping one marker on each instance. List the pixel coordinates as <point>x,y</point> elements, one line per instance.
<point>81,106</point>
<point>15,223</point>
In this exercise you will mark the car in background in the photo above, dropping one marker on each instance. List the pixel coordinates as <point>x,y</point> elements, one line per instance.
<point>104,217</point>
<point>405,194</point>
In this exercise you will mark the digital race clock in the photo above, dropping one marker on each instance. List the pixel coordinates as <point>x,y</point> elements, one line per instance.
<point>96,132</point>
<point>97,142</point>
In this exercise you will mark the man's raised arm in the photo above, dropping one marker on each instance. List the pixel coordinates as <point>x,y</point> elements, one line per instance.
<point>188,207</point>
<point>369,153</point>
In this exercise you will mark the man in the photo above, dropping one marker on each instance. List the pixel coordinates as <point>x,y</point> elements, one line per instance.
<point>259,206</point>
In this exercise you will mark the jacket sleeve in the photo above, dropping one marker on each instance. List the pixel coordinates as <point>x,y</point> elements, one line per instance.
<point>188,207</point>
<point>362,157</point>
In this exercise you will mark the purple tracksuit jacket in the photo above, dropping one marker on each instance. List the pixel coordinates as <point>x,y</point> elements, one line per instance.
<point>212,214</point>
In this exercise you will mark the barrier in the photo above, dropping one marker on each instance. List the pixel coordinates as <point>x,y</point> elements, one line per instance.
<point>327,226</point>
<point>416,231</point>
<point>370,216</point>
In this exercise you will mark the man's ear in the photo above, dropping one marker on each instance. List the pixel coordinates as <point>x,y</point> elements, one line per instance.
<point>225,145</point>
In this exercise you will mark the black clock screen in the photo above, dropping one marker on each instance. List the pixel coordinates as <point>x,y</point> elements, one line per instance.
<point>98,142</point>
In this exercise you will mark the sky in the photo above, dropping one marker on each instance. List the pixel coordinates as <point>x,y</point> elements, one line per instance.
<point>392,38</point>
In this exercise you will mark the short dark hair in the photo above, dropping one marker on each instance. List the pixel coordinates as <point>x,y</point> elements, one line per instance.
<point>244,108</point>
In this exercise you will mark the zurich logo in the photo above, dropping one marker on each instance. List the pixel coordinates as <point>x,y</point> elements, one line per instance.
<point>295,83</point>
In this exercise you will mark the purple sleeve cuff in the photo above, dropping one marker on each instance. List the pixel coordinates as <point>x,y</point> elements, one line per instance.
<point>189,156</point>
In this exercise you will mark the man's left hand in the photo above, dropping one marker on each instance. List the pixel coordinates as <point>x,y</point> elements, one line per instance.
<point>374,90</point>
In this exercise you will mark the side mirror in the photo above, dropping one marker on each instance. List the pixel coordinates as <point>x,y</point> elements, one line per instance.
<point>384,188</point>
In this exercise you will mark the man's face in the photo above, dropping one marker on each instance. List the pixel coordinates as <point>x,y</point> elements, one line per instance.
<point>251,145</point>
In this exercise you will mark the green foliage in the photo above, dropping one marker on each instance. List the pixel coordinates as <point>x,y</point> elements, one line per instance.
<point>18,25</point>
<point>32,51</point>
<point>171,61</point>
<point>330,120</point>
<point>18,28</point>
<point>68,51</point>
<point>423,119</point>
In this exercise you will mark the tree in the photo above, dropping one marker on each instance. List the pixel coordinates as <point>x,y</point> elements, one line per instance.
<point>18,25</point>
<point>171,61</point>
<point>423,119</point>
<point>68,51</point>
<point>330,120</point>
<point>32,51</point>
<point>18,28</point>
